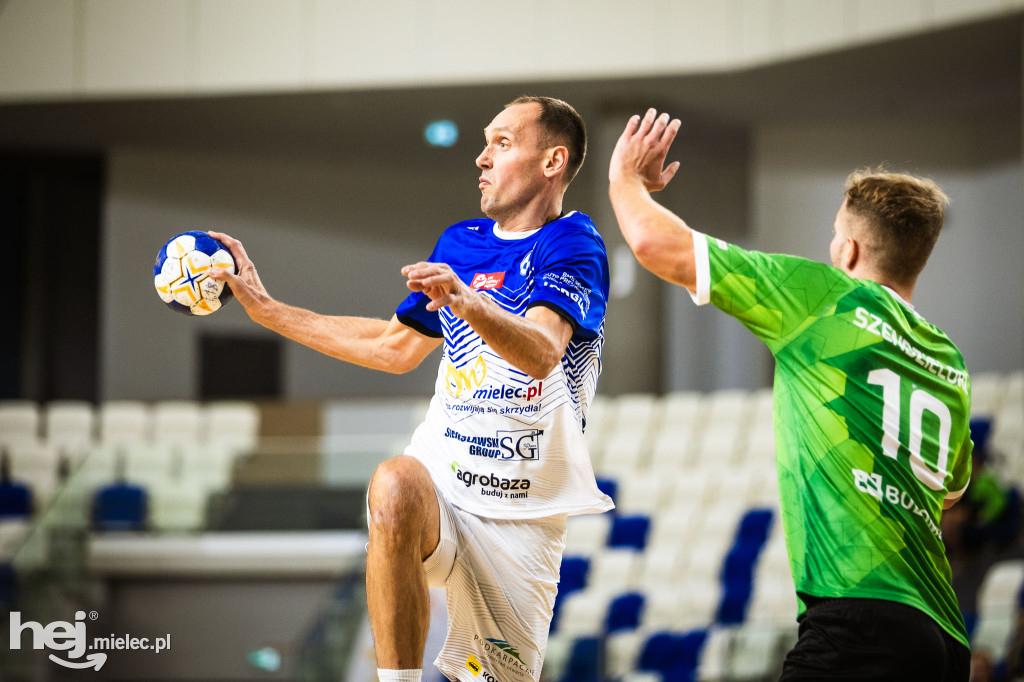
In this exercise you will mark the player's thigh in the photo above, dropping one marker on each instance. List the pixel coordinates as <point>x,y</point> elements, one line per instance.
<point>402,503</point>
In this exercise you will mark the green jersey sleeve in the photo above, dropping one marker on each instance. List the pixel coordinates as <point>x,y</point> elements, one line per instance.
<point>775,296</point>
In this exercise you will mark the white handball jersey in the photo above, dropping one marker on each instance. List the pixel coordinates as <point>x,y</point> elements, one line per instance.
<point>497,442</point>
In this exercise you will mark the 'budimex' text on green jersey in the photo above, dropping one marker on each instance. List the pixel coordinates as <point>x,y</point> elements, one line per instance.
<point>871,409</point>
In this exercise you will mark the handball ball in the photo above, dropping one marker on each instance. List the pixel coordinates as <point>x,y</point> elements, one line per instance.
<point>181,273</point>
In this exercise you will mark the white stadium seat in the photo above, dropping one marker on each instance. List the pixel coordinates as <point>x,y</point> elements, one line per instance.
<point>719,445</point>
<point>760,408</point>
<point>993,634</point>
<point>19,421</point>
<point>625,451</point>
<point>69,427</point>
<point>755,653</point>
<point>680,411</point>
<point>586,534</point>
<point>178,422</point>
<point>698,603</point>
<point>670,451</point>
<point>676,525</point>
<point>124,422</point>
<point>600,414</point>
<point>232,424</point>
<point>642,492</point>
<point>622,652</point>
<point>1000,587</point>
<point>661,565</point>
<point>583,613</point>
<point>729,408</point>
<point>177,506</point>
<point>663,605</point>
<point>557,655</point>
<point>642,676</point>
<point>637,412</point>
<point>614,569</point>
<point>714,655</point>
<point>987,390</point>
<point>12,534</point>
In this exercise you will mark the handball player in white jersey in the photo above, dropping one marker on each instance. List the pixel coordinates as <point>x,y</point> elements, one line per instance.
<point>478,502</point>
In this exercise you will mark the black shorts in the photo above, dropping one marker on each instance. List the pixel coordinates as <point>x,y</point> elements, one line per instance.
<point>873,639</point>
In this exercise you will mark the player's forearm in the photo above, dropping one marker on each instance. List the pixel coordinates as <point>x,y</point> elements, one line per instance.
<point>660,240</point>
<point>522,342</point>
<point>357,340</point>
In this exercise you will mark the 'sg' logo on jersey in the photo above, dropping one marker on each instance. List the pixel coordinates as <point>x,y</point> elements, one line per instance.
<point>462,379</point>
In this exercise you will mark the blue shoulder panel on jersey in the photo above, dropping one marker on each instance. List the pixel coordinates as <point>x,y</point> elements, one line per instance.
<point>571,274</point>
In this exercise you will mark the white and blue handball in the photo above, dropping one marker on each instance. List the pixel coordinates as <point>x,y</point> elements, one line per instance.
<point>181,273</point>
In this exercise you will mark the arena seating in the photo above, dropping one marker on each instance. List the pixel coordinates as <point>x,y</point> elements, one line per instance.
<point>687,579</point>
<point>112,463</point>
<point>701,588</point>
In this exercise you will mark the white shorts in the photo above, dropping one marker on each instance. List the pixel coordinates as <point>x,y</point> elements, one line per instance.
<point>501,578</point>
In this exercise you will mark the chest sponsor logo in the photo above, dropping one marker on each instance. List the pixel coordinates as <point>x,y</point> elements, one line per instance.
<point>523,444</point>
<point>491,485</point>
<point>487,280</point>
<point>468,378</point>
<point>871,483</point>
<point>506,392</point>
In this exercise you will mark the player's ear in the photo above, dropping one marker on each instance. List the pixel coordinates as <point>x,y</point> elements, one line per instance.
<point>852,255</point>
<point>555,160</point>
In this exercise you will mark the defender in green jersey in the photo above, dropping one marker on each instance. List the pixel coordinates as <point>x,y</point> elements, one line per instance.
<point>871,407</point>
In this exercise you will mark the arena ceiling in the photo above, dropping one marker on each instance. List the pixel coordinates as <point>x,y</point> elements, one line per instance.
<point>959,73</point>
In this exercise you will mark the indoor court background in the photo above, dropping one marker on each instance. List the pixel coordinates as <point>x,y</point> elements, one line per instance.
<point>234,462</point>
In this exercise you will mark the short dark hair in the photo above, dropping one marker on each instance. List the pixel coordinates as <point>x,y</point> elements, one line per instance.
<point>563,125</point>
<point>903,214</point>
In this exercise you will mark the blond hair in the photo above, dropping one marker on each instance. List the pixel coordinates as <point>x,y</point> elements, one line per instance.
<point>903,216</point>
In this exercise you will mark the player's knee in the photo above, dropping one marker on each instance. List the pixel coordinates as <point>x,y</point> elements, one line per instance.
<point>399,491</point>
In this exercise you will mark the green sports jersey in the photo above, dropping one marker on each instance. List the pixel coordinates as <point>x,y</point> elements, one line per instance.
<point>871,409</point>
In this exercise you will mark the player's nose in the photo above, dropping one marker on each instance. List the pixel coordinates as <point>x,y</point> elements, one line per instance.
<point>483,161</point>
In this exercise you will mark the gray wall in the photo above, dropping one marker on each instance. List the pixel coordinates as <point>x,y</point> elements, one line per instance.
<point>332,237</point>
<point>973,283</point>
<point>327,237</point>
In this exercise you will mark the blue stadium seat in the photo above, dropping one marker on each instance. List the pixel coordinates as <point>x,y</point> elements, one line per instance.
<point>15,500</point>
<point>738,571</point>
<point>624,612</point>
<point>584,663</point>
<point>674,655</point>
<point>609,487</point>
<point>629,532</point>
<point>573,574</point>
<point>120,507</point>
<point>572,577</point>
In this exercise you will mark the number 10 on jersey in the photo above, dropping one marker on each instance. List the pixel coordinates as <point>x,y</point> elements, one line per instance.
<point>893,426</point>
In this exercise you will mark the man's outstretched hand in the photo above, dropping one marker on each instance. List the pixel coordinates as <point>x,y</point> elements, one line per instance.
<point>641,150</point>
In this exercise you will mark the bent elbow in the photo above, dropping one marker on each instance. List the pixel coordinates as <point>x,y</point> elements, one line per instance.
<point>646,252</point>
<point>543,368</point>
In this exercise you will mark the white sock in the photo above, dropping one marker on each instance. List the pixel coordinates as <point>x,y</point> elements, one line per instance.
<point>399,675</point>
